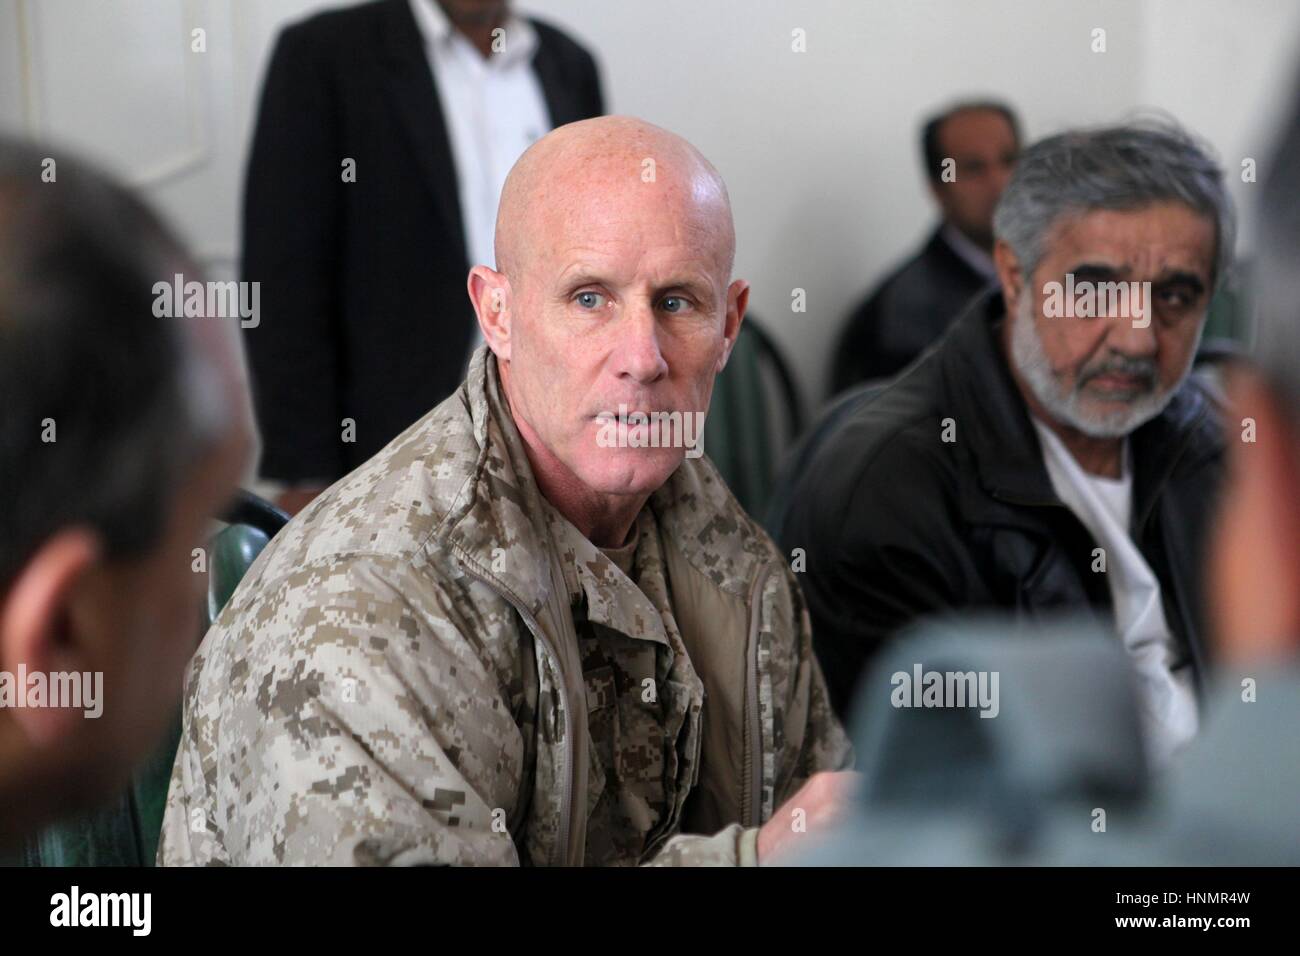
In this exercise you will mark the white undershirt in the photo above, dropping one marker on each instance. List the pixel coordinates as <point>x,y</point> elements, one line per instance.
<point>494,109</point>
<point>1104,506</point>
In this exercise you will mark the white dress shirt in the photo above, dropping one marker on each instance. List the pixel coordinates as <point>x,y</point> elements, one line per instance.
<point>494,109</point>
<point>1104,506</point>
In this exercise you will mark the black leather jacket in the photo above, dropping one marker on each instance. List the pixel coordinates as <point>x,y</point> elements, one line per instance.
<point>897,524</point>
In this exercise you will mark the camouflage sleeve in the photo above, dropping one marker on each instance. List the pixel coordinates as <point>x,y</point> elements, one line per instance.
<point>343,715</point>
<point>732,846</point>
<point>810,737</point>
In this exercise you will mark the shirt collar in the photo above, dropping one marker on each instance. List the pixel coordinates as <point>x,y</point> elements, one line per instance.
<point>969,252</point>
<point>433,23</point>
<point>612,598</point>
<point>436,30</point>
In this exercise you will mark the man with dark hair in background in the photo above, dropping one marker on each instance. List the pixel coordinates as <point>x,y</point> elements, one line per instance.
<point>384,134</point>
<point>123,433</point>
<point>969,152</point>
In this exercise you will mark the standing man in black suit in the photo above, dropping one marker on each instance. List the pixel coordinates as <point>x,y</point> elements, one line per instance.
<point>970,151</point>
<point>384,135</point>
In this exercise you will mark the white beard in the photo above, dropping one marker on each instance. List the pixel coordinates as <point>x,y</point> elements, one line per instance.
<point>1070,408</point>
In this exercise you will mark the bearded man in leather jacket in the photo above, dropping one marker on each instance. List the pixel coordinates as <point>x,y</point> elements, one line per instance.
<point>1052,453</point>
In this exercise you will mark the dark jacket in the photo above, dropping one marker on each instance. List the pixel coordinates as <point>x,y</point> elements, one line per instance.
<point>364,313</point>
<point>896,523</point>
<point>905,315</point>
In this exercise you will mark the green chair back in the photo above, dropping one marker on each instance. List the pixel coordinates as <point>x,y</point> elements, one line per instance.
<point>754,413</point>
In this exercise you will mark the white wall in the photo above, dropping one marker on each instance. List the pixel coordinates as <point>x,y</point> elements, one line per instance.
<point>818,148</point>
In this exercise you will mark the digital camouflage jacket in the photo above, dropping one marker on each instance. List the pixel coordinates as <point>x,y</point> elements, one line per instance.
<point>397,680</point>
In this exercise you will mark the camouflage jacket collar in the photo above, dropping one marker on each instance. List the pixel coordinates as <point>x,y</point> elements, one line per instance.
<point>612,598</point>
<point>497,520</point>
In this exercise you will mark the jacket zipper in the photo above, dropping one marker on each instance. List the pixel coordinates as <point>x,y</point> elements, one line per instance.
<point>752,797</point>
<point>566,792</point>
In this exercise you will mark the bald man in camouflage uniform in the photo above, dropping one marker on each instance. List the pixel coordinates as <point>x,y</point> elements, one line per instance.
<point>498,643</point>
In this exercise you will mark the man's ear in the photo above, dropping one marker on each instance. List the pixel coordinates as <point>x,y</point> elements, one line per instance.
<point>1009,275</point>
<point>737,302</point>
<point>489,290</point>
<point>36,630</point>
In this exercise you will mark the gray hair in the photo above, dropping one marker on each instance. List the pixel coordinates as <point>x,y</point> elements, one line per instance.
<point>1117,167</point>
<point>1276,346</point>
<point>127,393</point>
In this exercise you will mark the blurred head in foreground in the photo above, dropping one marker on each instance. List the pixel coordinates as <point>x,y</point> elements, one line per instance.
<point>123,434</point>
<point>1255,573</point>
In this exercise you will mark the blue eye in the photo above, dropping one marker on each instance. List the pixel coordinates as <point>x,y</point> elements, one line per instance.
<point>589,300</point>
<point>679,306</point>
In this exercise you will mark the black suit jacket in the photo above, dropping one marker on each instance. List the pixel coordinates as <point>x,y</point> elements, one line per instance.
<point>898,524</point>
<point>905,315</point>
<point>364,313</point>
